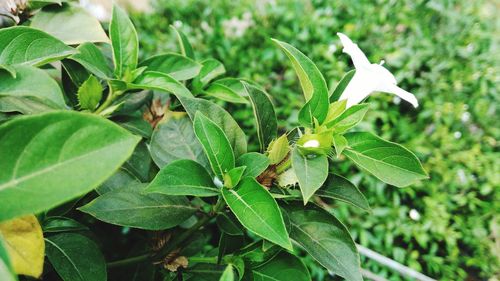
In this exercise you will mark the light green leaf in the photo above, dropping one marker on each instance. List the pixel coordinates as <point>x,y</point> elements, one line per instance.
<point>256,163</point>
<point>175,139</point>
<point>282,267</point>
<point>233,177</point>
<point>93,60</point>
<point>51,158</point>
<point>340,143</point>
<point>153,80</point>
<point>69,23</point>
<point>335,109</point>
<point>90,93</point>
<point>326,239</point>
<point>341,86</point>
<point>349,118</point>
<point>183,177</point>
<point>76,257</point>
<point>257,210</point>
<point>23,239</point>
<point>177,66</point>
<point>278,149</point>
<point>388,161</point>
<point>124,41</point>
<point>31,91</point>
<point>184,45</point>
<point>215,144</point>
<point>222,118</point>
<point>224,92</point>
<point>7,272</point>
<point>228,274</point>
<point>25,45</point>
<point>263,110</point>
<point>310,171</point>
<point>211,69</point>
<point>131,207</point>
<point>312,81</point>
<point>339,188</point>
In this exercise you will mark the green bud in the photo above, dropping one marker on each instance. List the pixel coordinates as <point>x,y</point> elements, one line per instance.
<point>315,144</point>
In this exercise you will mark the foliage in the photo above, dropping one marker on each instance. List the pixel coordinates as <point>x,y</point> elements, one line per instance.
<point>444,52</point>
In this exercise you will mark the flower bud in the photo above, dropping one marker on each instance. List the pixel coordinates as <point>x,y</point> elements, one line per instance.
<point>315,144</point>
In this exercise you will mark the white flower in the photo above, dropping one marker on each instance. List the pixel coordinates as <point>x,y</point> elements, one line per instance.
<point>369,77</point>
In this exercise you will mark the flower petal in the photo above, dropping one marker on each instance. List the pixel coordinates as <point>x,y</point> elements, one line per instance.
<point>359,58</point>
<point>393,89</point>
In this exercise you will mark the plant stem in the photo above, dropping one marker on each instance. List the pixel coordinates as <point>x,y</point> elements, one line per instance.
<point>106,103</point>
<point>203,259</point>
<point>128,261</point>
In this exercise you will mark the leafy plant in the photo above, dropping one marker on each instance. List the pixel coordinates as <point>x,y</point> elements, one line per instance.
<point>135,165</point>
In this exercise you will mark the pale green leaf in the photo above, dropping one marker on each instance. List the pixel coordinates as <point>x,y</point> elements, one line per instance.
<point>177,66</point>
<point>228,274</point>
<point>90,57</point>
<point>124,41</point>
<point>184,45</point>
<point>311,172</point>
<point>153,80</point>
<point>90,93</point>
<point>7,272</point>
<point>349,118</point>
<point>256,163</point>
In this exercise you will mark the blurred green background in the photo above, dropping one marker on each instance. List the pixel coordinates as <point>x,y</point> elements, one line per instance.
<point>445,52</point>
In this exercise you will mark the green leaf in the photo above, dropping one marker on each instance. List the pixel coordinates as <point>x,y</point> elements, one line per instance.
<point>184,45</point>
<point>228,274</point>
<point>256,163</point>
<point>339,188</point>
<point>222,118</point>
<point>204,272</point>
<point>257,210</point>
<point>31,91</point>
<point>227,223</point>
<point>24,243</point>
<point>183,177</point>
<point>335,109</point>
<point>153,80</point>
<point>278,149</point>
<point>326,239</point>
<point>311,80</point>
<point>349,118</point>
<point>10,69</point>
<point>93,60</point>
<point>61,224</point>
<point>342,85</point>
<point>25,45</point>
<point>340,143</point>
<point>215,144</point>
<point>310,171</point>
<point>282,267</point>
<point>177,66</point>
<point>124,41</point>
<point>69,23</point>
<point>139,163</point>
<point>388,161</point>
<point>38,4</point>
<point>224,92</point>
<point>263,110</point>
<point>233,177</point>
<point>175,139</point>
<point>131,207</point>
<point>117,181</point>
<point>76,257</point>
<point>69,144</point>
<point>211,69</point>
<point>7,272</point>
<point>90,93</point>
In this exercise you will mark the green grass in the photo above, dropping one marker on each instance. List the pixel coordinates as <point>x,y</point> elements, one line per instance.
<point>443,51</point>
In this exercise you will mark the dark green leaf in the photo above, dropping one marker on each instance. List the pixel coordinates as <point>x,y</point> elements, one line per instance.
<point>283,267</point>
<point>256,163</point>
<point>388,161</point>
<point>326,239</point>
<point>122,178</point>
<point>229,224</point>
<point>184,45</point>
<point>131,207</point>
<point>90,93</point>
<point>312,81</point>
<point>263,110</point>
<point>139,162</point>
<point>339,188</point>
<point>215,144</point>
<point>61,224</point>
<point>222,118</point>
<point>342,85</point>
<point>93,60</point>
<point>310,171</point>
<point>205,272</point>
<point>76,257</point>
<point>32,91</point>
<point>55,157</point>
<point>175,139</point>
<point>69,23</point>
<point>124,41</point>
<point>183,177</point>
<point>257,210</point>
<point>25,45</point>
<point>177,66</point>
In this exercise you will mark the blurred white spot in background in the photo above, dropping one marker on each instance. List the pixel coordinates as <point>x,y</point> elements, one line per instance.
<point>414,215</point>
